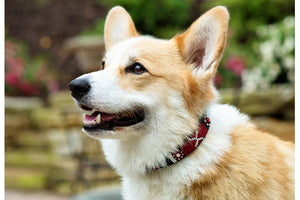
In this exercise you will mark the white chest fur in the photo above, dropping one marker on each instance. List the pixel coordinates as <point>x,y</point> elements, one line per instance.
<point>172,182</point>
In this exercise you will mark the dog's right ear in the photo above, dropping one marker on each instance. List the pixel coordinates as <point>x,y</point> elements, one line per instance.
<point>118,26</point>
<point>203,43</point>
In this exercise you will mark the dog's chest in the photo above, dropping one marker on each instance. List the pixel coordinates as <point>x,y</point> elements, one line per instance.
<point>137,189</point>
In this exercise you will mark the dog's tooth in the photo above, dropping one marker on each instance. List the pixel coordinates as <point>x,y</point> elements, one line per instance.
<point>98,120</point>
<point>84,120</point>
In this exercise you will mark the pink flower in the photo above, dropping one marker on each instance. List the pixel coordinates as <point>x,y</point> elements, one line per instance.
<point>12,79</point>
<point>15,65</point>
<point>28,88</point>
<point>25,80</point>
<point>235,64</point>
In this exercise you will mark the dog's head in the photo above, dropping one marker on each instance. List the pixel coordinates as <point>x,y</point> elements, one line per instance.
<point>146,83</point>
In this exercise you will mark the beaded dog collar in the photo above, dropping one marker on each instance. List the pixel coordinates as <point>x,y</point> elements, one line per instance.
<point>190,144</point>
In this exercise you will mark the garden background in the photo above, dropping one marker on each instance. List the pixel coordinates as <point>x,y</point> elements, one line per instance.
<point>50,42</point>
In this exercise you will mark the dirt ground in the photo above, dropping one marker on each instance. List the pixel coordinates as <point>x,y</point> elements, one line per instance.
<point>20,195</point>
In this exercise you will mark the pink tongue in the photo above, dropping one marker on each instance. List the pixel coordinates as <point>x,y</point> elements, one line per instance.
<point>104,117</point>
<point>91,117</point>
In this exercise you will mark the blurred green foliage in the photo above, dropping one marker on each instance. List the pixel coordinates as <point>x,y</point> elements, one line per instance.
<point>246,16</point>
<point>162,18</point>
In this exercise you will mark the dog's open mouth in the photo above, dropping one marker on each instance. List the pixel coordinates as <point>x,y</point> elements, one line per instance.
<point>105,121</point>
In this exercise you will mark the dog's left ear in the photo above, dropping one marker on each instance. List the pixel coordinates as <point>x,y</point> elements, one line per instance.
<point>118,26</point>
<point>203,43</point>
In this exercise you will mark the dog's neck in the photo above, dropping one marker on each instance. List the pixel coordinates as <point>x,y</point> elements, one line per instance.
<point>132,157</point>
<point>189,144</point>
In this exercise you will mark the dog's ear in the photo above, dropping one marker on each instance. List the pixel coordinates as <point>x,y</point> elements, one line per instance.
<point>118,26</point>
<point>203,43</point>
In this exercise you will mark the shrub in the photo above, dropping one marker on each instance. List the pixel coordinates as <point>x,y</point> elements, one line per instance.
<point>24,76</point>
<point>161,18</point>
<point>275,48</point>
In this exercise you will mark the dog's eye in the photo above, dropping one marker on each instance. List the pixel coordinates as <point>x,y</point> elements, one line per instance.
<point>102,64</point>
<point>136,68</point>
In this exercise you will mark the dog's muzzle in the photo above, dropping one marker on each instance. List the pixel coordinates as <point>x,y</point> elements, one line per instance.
<point>79,87</point>
<point>94,119</point>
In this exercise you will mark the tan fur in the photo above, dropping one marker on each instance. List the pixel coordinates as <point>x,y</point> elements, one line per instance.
<point>167,69</point>
<point>255,168</point>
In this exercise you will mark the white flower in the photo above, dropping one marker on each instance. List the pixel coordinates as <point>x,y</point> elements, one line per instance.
<point>289,22</point>
<point>266,50</point>
<point>289,44</point>
<point>289,62</point>
<point>276,55</point>
<point>274,71</point>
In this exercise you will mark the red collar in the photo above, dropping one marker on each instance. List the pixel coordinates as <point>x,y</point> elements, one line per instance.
<point>190,144</point>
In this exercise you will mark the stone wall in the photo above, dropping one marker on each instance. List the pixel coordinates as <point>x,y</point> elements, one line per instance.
<point>45,148</point>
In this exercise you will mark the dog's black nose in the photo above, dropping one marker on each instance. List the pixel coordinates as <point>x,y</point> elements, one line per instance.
<point>79,87</point>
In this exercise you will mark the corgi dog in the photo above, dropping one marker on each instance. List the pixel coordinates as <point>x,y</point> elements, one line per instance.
<point>155,110</point>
